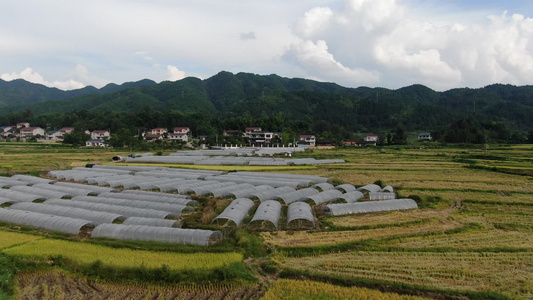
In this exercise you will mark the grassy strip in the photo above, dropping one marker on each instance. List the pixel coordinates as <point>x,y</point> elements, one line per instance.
<point>9,267</point>
<point>227,274</point>
<point>367,245</point>
<point>520,172</point>
<point>328,223</point>
<point>463,190</point>
<point>388,286</point>
<point>490,202</point>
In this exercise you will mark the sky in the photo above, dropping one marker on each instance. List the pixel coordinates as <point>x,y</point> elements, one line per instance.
<point>70,44</point>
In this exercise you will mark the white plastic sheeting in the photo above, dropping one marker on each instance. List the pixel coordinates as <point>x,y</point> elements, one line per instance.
<point>255,180</point>
<point>381,196</point>
<point>295,177</point>
<point>17,196</point>
<point>298,195</point>
<point>266,195</point>
<point>346,187</point>
<point>370,188</point>
<point>226,191</point>
<point>371,206</point>
<point>247,193</point>
<point>269,210</point>
<point>157,234</point>
<point>324,186</point>
<point>30,179</point>
<point>97,217</point>
<point>387,188</point>
<point>122,210</point>
<point>151,222</point>
<point>4,200</point>
<point>47,194</point>
<point>71,192</point>
<point>161,198</point>
<point>93,188</point>
<point>8,182</point>
<point>44,221</point>
<point>236,211</point>
<point>175,209</point>
<point>300,211</point>
<point>323,197</point>
<point>352,197</point>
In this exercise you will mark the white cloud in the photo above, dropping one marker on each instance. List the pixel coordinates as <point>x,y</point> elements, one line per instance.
<point>174,73</point>
<point>80,79</point>
<point>320,64</point>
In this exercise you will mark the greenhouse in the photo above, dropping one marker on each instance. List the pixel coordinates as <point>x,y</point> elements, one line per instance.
<point>4,200</point>
<point>387,188</point>
<point>44,221</point>
<point>97,217</point>
<point>299,214</point>
<point>176,209</point>
<point>236,211</point>
<point>122,210</point>
<point>266,195</point>
<point>247,193</point>
<point>268,211</point>
<point>225,191</point>
<point>30,179</point>
<point>92,188</point>
<point>8,182</point>
<point>161,198</point>
<point>381,196</point>
<point>324,186</point>
<point>71,192</point>
<point>370,188</point>
<point>352,197</point>
<point>323,197</point>
<point>152,222</point>
<point>158,234</point>
<point>19,196</point>
<point>46,194</point>
<point>298,195</point>
<point>254,180</point>
<point>370,206</point>
<point>278,176</point>
<point>346,187</point>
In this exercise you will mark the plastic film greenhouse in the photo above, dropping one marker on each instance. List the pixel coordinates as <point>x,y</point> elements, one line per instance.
<point>323,197</point>
<point>370,206</point>
<point>45,221</point>
<point>236,211</point>
<point>298,195</point>
<point>300,215</point>
<point>151,222</point>
<point>97,217</point>
<point>158,234</point>
<point>268,211</point>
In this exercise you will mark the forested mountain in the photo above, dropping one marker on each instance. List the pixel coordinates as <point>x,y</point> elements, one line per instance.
<point>244,98</point>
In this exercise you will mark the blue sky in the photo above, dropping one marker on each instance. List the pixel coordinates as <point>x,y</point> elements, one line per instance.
<point>386,43</point>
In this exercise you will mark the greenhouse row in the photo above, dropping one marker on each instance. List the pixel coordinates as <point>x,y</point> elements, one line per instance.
<point>369,206</point>
<point>231,160</point>
<point>268,211</point>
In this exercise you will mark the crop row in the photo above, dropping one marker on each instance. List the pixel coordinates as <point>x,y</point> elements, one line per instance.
<point>470,240</point>
<point>465,271</point>
<point>89,253</point>
<point>58,285</point>
<point>304,238</point>
<point>307,289</point>
<point>9,239</point>
<point>389,218</point>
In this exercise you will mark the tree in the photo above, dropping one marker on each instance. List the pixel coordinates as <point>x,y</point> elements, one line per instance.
<point>400,137</point>
<point>76,138</point>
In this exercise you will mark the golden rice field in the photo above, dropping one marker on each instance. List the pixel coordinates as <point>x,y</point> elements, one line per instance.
<point>121,257</point>
<point>9,239</point>
<point>305,238</point>
<point>471,240</point>
<point>305,289</point>
<point>54,284</point>
<point>391,218</point>
<point>463,271</point>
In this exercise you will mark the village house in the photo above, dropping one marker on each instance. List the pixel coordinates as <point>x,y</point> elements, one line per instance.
<point>178,136</point>
<point>249,130</point>
<point>22,125</point>
<point>371,139</point>
<point>100,134</point>
<point>425,136</point>
<point>185,130</point>
<point>32,131</point>
<point>307,139</point>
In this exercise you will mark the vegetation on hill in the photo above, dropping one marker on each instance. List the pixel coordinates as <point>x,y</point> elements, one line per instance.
<point>243,98</point>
